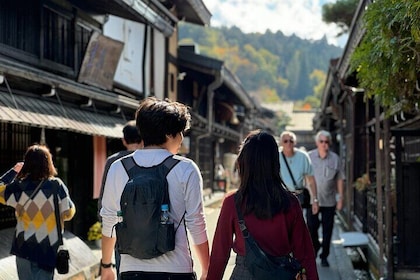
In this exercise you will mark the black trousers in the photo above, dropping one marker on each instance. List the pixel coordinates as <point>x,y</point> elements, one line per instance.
<point>143,275</point>
<point>327,221</point>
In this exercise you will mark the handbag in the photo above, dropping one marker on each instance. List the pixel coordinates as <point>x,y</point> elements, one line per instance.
<point>301,193</point>
<point>63,255</point>
<point>261,265</point>
<point>62,261</point>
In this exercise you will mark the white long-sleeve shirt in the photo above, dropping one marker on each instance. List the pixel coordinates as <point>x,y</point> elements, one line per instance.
<point>185,187</point>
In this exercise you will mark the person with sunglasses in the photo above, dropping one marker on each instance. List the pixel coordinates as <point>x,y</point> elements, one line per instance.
<point>329,178</point>
<point>296,168</point>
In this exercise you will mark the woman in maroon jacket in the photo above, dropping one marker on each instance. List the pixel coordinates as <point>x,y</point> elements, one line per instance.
<point>272,214</point>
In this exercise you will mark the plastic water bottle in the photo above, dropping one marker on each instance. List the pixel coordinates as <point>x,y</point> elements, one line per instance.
<point>164,216</point>
<point>120,216</point>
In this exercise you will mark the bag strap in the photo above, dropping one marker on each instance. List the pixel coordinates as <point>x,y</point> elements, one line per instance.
<point>129,163</point>
<point>249,239</point>
<point>290,171</point>
<point>245,233</point>
<point>57,216</point>
<point>183,216</point>
<point>167,164</point>
<point>33,193</point>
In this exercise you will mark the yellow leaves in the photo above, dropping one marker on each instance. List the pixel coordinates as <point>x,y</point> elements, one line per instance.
<point>362,182</point>
<point>95,232</point>
<point>268,95</point>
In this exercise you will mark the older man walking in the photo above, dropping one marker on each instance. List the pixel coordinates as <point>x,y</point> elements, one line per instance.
<point>329,180</point>
<point>296,168</point>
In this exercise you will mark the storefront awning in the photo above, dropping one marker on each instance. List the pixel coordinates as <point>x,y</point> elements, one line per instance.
<point>42,113</point>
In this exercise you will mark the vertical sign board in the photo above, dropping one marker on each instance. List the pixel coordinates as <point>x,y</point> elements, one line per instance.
<point>130,69</point>
<point>100,61</point>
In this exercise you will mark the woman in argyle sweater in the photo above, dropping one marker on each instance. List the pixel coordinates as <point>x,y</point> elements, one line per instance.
<point>36,194</point>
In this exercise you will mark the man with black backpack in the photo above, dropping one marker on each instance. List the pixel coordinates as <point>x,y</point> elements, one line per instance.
<point>131,141</point>
<point>142,185</point>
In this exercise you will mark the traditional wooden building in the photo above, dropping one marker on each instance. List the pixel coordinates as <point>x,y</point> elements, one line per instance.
<point>223,112</point>
<point>72,72</point>
<point>381,159</point>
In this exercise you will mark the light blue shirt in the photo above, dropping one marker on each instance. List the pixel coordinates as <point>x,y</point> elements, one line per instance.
<point>300,165</point>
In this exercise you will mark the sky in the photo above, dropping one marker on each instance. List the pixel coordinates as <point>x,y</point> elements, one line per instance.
<point>300,17</point>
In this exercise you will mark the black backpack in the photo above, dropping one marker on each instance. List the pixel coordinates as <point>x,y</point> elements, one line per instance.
<point>140,233</point>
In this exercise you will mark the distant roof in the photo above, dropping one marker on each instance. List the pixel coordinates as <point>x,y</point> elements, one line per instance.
<point>300,120</point>
<point>286,107</point>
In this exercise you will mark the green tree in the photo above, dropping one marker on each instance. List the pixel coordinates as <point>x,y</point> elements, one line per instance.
<point>388,59</point>
<point>318,77</point>
<point>340,13</point>
<point>270,61</point>
<point>267,95</point>
<point>283,120</point>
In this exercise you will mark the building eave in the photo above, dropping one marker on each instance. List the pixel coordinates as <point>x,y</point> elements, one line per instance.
<point>213,66</point>
<point>193,11</point>
<point>148,12</point>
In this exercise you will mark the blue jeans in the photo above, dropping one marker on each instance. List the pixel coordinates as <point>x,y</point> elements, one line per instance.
<point>28,270</point>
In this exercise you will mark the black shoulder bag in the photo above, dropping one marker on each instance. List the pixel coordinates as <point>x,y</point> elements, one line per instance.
<point>261,265</point>
<point>301,193</point>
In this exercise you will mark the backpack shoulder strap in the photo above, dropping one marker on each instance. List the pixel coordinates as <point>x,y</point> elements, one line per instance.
<point>129,164</point>
<point>169,163</point>
<point>167,166</point>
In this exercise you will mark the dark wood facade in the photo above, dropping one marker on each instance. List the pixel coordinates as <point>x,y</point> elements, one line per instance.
<point>43,44</point>
<point>380,154</point>
<point>223,113</point>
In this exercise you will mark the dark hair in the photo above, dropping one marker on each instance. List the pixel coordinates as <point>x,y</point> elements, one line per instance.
<point>155,119</point>
<point>38,164</point>
<point>261,190</point>
<point>131,133</point>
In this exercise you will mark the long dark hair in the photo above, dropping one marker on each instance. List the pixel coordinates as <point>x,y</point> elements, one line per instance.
<point>37,164</point>
<point>261,190</point>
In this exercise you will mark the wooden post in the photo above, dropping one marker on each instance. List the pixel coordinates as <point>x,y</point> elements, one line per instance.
<point>379,205</point>
<point>388,203</point>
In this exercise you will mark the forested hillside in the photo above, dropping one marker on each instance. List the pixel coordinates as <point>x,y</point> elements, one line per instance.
<point>269,65</point>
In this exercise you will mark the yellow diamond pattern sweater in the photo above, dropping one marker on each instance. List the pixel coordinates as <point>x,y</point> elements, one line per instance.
<point>36,237</point>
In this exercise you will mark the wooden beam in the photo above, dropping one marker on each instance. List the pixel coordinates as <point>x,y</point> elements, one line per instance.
<point>26,72</point>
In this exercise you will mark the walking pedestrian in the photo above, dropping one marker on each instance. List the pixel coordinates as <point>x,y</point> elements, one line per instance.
<point>329,180</point>
<point>272,214</point>
<point>296,168</point>
<point>161,124</point>
<point>37,195</point>
<point>131,141</point>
